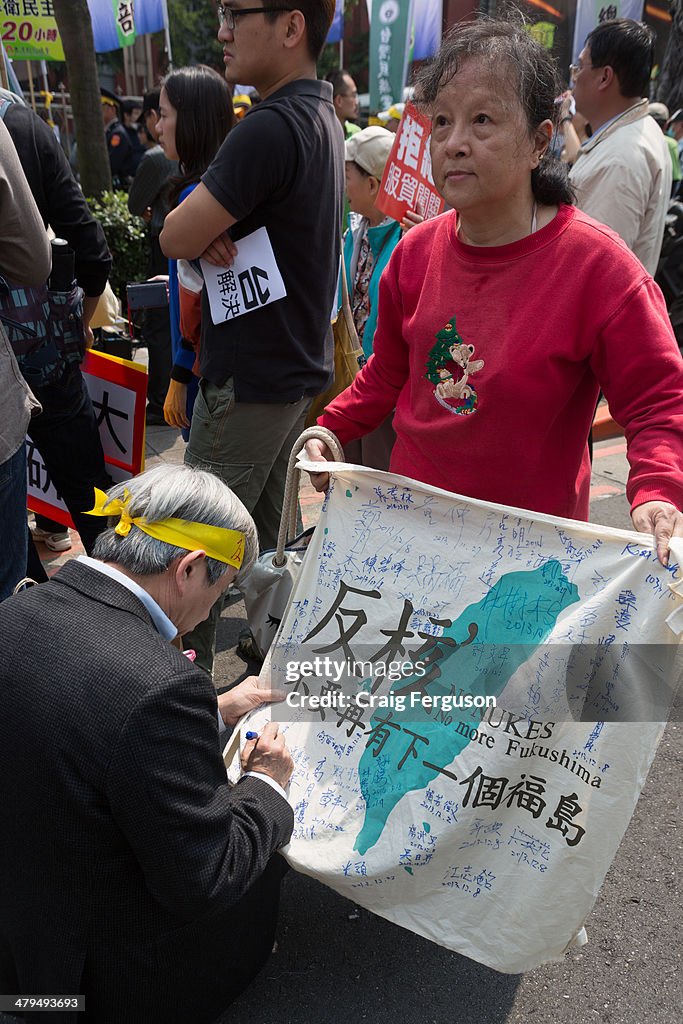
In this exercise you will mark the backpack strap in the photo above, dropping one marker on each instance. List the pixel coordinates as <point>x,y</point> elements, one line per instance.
<point>4,107</point>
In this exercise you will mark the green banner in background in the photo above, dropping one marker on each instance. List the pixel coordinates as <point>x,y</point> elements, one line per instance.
<point>390,39</point>
<point>124,16</point>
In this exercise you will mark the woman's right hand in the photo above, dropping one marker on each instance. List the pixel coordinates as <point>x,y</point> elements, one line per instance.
<point>176,404</point>
<point>413,217</point>
<point>317,451</point>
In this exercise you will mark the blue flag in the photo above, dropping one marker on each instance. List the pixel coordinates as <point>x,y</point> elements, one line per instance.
<point>117,23</point>
<point>336,33</point>
<point>427,20</point>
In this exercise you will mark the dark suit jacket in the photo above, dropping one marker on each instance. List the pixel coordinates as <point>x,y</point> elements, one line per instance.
<point>129,870</point>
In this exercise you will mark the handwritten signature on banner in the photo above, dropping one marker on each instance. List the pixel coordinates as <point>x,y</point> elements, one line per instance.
<point>420,806</point>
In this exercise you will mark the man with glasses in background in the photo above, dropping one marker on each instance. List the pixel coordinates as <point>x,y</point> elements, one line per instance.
<point>622,174</point>
<point>345,98</point>
<point>280,169</point>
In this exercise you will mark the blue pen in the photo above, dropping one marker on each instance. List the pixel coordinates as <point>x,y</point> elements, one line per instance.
<point>252,735</point>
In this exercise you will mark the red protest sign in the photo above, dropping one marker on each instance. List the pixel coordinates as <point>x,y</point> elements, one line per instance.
<point>407,176</point>
<point>118,389</point>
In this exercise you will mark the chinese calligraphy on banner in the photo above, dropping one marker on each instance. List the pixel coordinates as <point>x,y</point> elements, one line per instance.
<point>390,40</point>
<point>474,696</point>
<point>117,23</point>
<point>29,30</point>
<point>590,13</point>
<point>408,173</point>
<point>118,389</point>
<point>124,18</point>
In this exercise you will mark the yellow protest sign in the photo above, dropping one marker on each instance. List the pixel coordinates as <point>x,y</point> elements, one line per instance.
<point>29,30</point>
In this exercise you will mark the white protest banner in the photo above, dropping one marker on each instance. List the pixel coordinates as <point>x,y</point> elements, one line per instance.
<point>474,696</point>
<point>253,280</point>
<point>118,390</point>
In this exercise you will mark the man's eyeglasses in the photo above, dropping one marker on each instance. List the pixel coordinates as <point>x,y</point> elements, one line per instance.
<point>575,68</point>
<point>227,15</point>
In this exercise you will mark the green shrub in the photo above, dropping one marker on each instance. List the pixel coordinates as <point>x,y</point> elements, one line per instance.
<point>126,236</point>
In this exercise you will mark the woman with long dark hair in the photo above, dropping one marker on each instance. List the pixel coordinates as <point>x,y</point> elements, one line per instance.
<point>195,115</point>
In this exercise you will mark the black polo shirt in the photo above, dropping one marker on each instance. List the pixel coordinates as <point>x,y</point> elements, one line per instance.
<point>282,168</point>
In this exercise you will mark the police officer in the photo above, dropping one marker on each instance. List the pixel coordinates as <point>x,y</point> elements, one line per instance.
<point>121,157</point>
<point>131,110</point>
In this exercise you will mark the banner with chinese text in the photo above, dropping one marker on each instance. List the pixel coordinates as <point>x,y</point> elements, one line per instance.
<point>591,13</point>
<point>117,23</point>
<point>474,696</point>
<point>390,40</point>
<point>408,173</point>
<point>118,389</point>
<point>29,30</point>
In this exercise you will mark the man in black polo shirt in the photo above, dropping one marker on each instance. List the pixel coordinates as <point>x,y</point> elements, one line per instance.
<point>281,168</point>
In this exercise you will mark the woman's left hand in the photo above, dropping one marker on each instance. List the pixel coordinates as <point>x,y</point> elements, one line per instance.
<point>663,520</point>
<point>244,697</point>
<point>317,451</point>
<point>175,405</point>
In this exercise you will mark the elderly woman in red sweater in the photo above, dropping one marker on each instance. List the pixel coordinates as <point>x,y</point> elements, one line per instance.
<point>499,323</point>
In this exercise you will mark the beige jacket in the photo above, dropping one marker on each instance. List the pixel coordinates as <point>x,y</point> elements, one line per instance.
<point>622,177</point>
<point>25,258</point>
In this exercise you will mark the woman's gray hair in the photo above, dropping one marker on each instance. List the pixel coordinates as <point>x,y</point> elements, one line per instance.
<point>507,44</point>
<point>175,492</point>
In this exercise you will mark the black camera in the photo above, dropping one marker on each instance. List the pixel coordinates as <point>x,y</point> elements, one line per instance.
<point>149,295</point>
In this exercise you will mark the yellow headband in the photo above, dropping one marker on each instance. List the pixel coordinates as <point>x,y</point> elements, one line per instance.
<point>224,545</point>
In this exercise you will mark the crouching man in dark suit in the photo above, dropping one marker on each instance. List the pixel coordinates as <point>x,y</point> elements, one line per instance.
<point>130,870</point>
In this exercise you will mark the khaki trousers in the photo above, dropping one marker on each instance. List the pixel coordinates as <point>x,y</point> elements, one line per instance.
<point>247,445</point>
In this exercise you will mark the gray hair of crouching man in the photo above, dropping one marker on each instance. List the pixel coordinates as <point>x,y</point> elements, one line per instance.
<point>175,492</point>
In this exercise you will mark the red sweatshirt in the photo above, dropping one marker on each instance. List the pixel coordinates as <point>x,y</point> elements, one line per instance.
<point>493,357</point>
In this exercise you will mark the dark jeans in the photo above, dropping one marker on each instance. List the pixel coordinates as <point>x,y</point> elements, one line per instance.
<point>66,435</point>
<point>13,519</point>
<point>156,331</point>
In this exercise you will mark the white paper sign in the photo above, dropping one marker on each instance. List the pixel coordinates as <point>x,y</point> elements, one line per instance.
<point>115,414</point>
<point>253,281</point>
